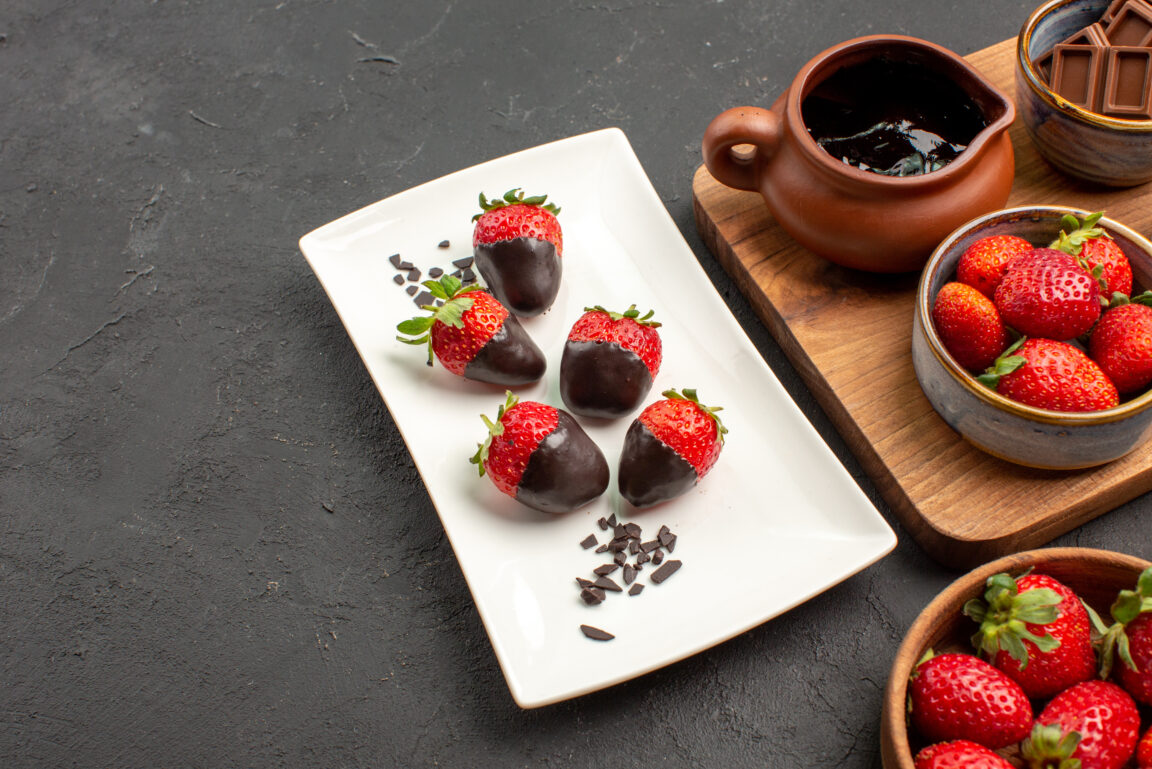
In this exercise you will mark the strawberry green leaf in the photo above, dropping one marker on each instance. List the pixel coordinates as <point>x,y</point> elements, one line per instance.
<point>690,395</point>
<point>480,458</point>
<point>1050,747</point>
<point>514,197</point>
<point>1074,233</point>
<point>631,313</point>
<point>1003,616</point>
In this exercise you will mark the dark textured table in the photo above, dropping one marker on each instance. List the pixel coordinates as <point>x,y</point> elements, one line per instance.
<point>216,551</point>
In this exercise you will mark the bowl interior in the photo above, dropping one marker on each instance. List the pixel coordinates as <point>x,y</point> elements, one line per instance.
<point>1096,575</point>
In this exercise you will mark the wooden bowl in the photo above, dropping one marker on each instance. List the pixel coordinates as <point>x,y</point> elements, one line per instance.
<point>1096,575</point>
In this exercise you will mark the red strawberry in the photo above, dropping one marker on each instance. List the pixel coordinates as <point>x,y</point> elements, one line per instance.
<point>1094,721</point>
<point>968,325</point>
<point>1121,343</point>
<point>1045,293</point>
<point>1130,639</point>
<point>473,336</point>
<point>1144,751</point>
<point>609,362</point>
<point>517,243</point>
<point>1036,630</point>
<point>1101,256</point>
<point>962,697</point>
<point>959,754</point>
<point>669,448</point>
<point>1051,375</point>
<point>540,456</point>
<point>983,263</point>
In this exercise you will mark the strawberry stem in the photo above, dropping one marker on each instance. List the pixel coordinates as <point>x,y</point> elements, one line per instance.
<point>515,197</point>
<point>690,395</point>
<point>1004,614</point>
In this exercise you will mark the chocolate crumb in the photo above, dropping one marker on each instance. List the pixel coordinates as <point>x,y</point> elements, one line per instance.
<point>608,584</point>
<point>602,549</point>
<point>588,541</point>
<point>665,537</point>
<point>463,263</point>
<point>643,558</point>
<point>411,290</point>
<point>583,582</point>
<point>592,596</point>
<point>649,546</point>
<point>443,244</point>
<point>468,276</point>
<point>435,272</point>
<point>607,568</point>
<point>413,275</point>
<point>633,547</point>
<point>665,571</point>
<point>629,574</point>
<point>458,274</point>
<point>658,556</point>
<point>595,633</point>
<point>405,266</point>
<point>398,280</point>
<point>423,299</point>
<point>612,520</point>
<point>395,259</point>
<point>602,523</point>
<point>670,545</point>
<point>620,558</point>
<point>635,589</point>
<point>633,530</point>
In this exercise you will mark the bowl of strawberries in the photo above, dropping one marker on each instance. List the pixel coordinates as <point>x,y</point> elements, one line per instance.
<point>1035,659</point>
<point>1032,336</point>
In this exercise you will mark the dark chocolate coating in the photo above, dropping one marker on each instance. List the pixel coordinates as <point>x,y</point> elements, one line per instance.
<point>509,358</point>
<point>650,470</point>
<point>602,379</point>
<point>567,470</point>
<point>523,273</point>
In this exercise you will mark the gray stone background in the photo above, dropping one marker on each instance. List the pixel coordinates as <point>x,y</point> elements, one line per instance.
<point>215,550</point>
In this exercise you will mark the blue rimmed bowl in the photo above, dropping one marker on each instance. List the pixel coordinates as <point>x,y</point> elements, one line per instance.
<point>1002,427</point>
<point>1104,150</point>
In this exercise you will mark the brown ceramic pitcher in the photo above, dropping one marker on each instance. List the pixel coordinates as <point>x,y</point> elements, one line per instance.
<point>854,217</point>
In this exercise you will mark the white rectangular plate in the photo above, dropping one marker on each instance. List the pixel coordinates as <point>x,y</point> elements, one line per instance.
<point>777,521</point>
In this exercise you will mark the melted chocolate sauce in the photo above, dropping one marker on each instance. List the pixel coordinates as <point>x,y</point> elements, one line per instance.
<point>602,379</point>
<point>650,470</point>
<point>897,118</point>
<point>523,273</point>
<point>509,358</point>
<point>566,471</point>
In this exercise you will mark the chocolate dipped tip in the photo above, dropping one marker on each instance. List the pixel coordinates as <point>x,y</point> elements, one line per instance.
<point>523,273</point>
<point>565,472</point>
<point>651,471</point>
<point>509,358</point>
<point>602,379</point>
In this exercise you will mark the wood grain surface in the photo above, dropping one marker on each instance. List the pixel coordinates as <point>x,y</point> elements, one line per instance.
<point>849,336</point>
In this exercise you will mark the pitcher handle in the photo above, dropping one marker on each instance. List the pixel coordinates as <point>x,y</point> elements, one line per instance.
<point>740,125</point>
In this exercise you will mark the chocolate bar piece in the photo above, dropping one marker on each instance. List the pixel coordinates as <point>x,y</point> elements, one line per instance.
<point>1093,34</point>
<point>1110,14</point>
<point>1131,24</point>
<point>1128,83</point>
<point>1077,74</point>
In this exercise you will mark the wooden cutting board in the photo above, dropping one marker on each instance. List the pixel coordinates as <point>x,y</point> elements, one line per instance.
<point>849,336</point>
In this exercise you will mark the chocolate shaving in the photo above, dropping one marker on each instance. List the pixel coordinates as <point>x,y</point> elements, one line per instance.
<point>633,530</point>
<point>620,558</point>
<point>629,574</point>
<point>395,259</point>
<point>612,520</point>
<point>398,280</point>
<point>635,589</point>
<point>592,595</point>
<point>608,584</point>
<point>602,523</point>
<point>588,541</point>
<point>424,298</point>
<point>411,290</point>
<point>595,633</point>
<point>658,556</point>
<point>443,244</point>
<point>607,568</point>
<point>583,582</point>
<point>435,272</point>
<point>649,546</point>
<point>602,549</point>
<point>413,275</point>
<point>665,571</point>
<point>405,266</point>
<point>463,263</point>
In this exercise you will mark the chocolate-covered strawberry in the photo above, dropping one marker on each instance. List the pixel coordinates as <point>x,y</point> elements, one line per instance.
<point>669,447</point>
<point>474,336</point>
<point>540,456</point>
<point>609,362</point>
<point>517,244</point>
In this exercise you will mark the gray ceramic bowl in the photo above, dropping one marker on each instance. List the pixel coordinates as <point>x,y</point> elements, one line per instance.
<point>1002,427</point>
<point>1101,149</point>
